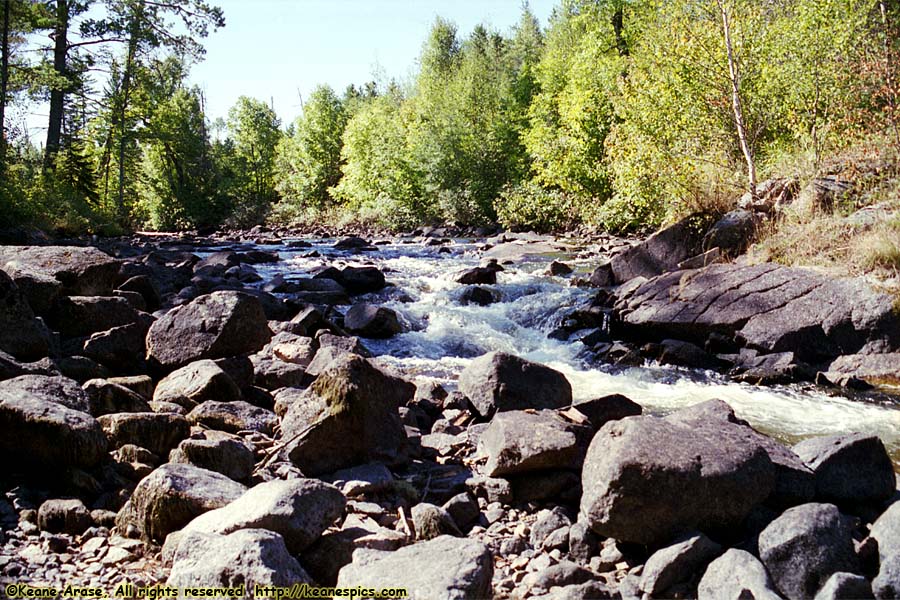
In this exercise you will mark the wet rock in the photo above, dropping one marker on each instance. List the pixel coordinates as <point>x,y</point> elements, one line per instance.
<point>361,280</point>
<point>299,510</point>
<point>81,271</point>
<point>64,516</point>
<point>849,469</point>
<point>372,321</point>
<point>21,334</point>
<point>172,496</point>
<point>444,568</point>
<point>217,451</point>
<point>600,411</point>
<point>771,369</point>
<point>677,562</point>
<point>216,325</point>
<point>157,432</point>
<point>646,479</point>
<point>685,354</point>
<point>47,434</point>
<point>248,557</point>
<point>353,243</point>
<point>519,441</point>
<point>234,417</point>
<point>349,416</point>
<point>805,546</point>
<point>195,383</point>
<point>845,586</point>
<point>79,316</point>
<point>559,269</point>
<point>107,398</point>
<point>56,389</point>
<point>475,294</point>
<point>497,382</point>
<point>478,275</point>
<point>736,575</point>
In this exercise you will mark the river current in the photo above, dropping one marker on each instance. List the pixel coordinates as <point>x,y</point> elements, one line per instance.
<point>442,337</point>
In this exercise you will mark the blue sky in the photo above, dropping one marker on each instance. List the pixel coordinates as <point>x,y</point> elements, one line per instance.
<point>275,49</point>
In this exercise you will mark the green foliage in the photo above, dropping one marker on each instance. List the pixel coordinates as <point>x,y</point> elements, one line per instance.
<point>255,129</point>
<point>530,206</point>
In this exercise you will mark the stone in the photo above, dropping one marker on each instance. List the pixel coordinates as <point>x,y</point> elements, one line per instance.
<point>478,275</point>
<point>805,546</point>
<point>849,469</point>
<point>108,398</point>
<point>35,432</point>
<point>45,388</point>
<point>558,269</point>
<point>659,253</point>
<point>172,496</point>
<point>547,523</point>
<point>79,316</point>
<point>463,509</point>
<point>519,441</point>
<point>370,321</point>
<point>445,568</point>
<point>143,285</point>
<point>601,411</point>
<point>647,479</point>
<point>686,354</point>
<point>845,586</point>
<point>81,271</point>
<point>216,325</point>
<point>195,383</point>
<point>361,280</point>
<point>886,531</point>
<point>234,417</point>
<point>248,558</point>
<point>736,575</point>
<point>157,432</point>
<point>217,451</point>
<point>64,516</point>
<point>272,373</point>
<point>430,521</point>
<point>21,334</point>
<point>677,562</point>
<point>886,585</point>
<point>349,416</point>
<point>292,348</point>
<point>120,348</point>
<point>875,369</point>
<point>497,382</point>
<point>299,510</point>
<point>732,233</point>
<point>371,478</point>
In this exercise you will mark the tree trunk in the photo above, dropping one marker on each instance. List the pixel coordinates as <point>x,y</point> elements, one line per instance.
<point>734,76</point>
<point>618,23</point>
<point>57,93</point>
<point>126,95</point>
<point>4,82</point>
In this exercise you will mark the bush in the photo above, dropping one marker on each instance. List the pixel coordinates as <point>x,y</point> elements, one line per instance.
<point>529,206</point>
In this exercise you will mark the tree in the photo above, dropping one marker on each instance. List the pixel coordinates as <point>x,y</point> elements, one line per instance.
<point>254,128</point>
<point>309,160</point>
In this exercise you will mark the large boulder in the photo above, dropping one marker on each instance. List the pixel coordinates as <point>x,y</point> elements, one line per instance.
<point>736,575</point>
<point>80,271</point>
<point>361,280</point>
<point>195,383</point>
<point>234,417</point>
<point>217,451</point>
<point>849,469</point>
<point>445,568</point>
<point>172,496</point>
<point>64,516</point>
<point>732,233</point>
<point>646,479</point>
<point>79,316</point>
<point>47,434</point>
<point>121,348</point>
<point>47,388</point>
<point>876,369</point>
<point>299,510</point>
<point>886,531</point>
<point>247,558</point>
<point>217,325</point>
<point>157,432</point>
<point>349,416</point>
<point>520,441</point>
<point>498,381</point>
<point>659,253</point>
<point>805,546</point>
<point>677,562</point>
<point>21,334</point>
<point>370,321</point>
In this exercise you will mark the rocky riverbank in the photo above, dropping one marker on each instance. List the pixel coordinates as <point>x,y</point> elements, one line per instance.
<point>169,415</point>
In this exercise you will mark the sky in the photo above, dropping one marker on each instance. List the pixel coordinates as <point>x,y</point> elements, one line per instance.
<point>279,50</point>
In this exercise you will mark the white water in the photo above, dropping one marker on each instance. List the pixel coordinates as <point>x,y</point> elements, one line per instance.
<point>444,336</point>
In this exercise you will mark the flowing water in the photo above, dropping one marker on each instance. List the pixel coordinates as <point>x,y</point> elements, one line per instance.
<point>443,337</point>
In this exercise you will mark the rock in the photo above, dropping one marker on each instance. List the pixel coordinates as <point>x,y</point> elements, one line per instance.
<point>81,271</point>
<point>886,585</point>
<point>876,369</point>
<point>361,280</point>
<point>478,275</point>
<point>583,543</point>
<point>476,294</point>
<point>353,243</point>
<point>519,441</point>
<point>143,285</point>
<point>886,531</point>
<point>172,496</point>
<point>820,196</point>
<point>732,233</point>
<point>767,307</point>
<point>558,269</point>
<point>120,348</point>
<point>547,523</point>
<point>602,276</point>
<point>272,373</point>
<point>299,510</point>
<point>56,389</point>
<point>330,348</point>
<point>157,432</point>
<point>247,558</point>
<point>849,469</point>
<point>217,451</point>
<point>372,478</point>
<point>463,509</point>
<point>771,369</point>
<point>107,398</point>
<point>79,316</point>
<point>445,568</point>
<point>845,586</point>
<point>64,516</point>
<point>646,479</point>
<point>430,521</point>
<point>677,562</point>
<point>349,416</point>
<point>497,382</point>
<point>805,546</point>
<point>46,434</point>
<point>372,321</point>
<point>686,354</point>
<point>736,575</point>
<point>710,257</point>
<point>659,253</point>
<point>195,383</point>
<point>140,384</point>
<point>234,417</point>
<point>292,348</point>
<point>21,334</point>
<point>608,408</point>
<point>217,325</point>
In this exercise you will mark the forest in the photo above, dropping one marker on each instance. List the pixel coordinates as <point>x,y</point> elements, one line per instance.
<point>620,114</point>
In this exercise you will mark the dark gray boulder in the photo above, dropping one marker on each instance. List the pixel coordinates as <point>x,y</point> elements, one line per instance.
<point>64,516</point>
<point>197,382</point>
<point>361,280</point>
<point>677,562</point>
<point>602,410</point>
<point>121,348</point>
<point>80,271</point>
<point>47,388</point>
<point>107,397</point>
<point>659,253</point>
<point>370,321</point>
<point>805,546</point>
<point>217,451</point>
<point>79,316</point>
<point>845,586</point>
<point>234,417</point>
<point>217,325</point>
<point>498,381</point>
<point>157,432</point>
<point>732,233</point>
<point>21,334</point>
